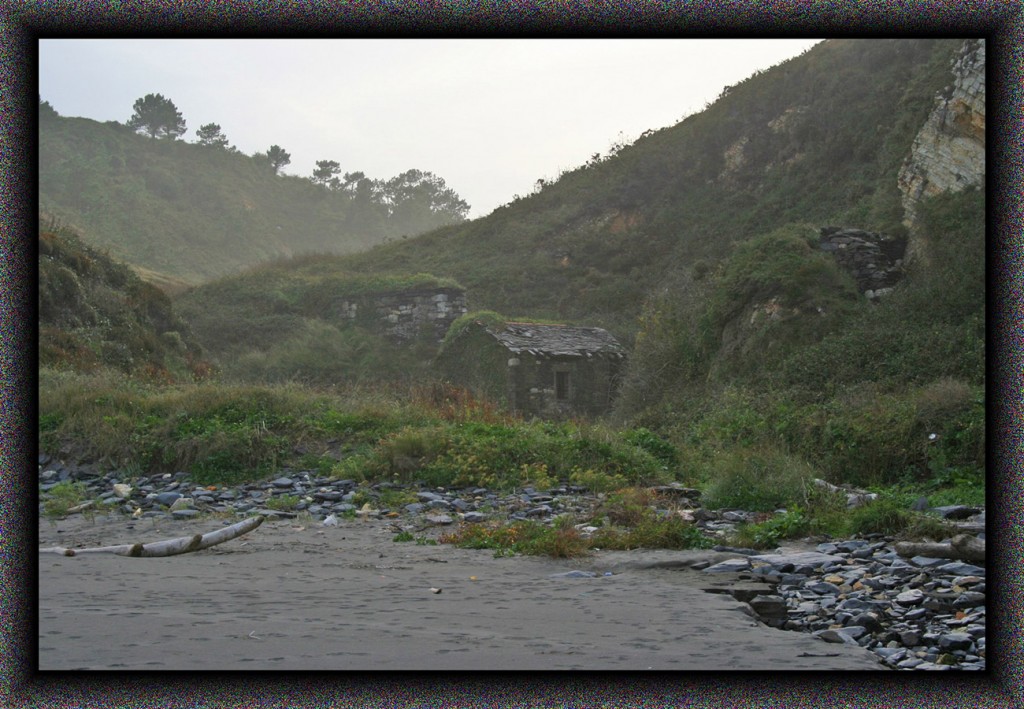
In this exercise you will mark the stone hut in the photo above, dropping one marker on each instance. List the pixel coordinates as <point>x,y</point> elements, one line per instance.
<point>547,371</point>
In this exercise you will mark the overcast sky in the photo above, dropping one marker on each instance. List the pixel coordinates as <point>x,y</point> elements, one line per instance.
<point>488,116</point>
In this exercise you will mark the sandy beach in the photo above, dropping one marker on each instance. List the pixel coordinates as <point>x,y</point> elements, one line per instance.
<point>300,596</point>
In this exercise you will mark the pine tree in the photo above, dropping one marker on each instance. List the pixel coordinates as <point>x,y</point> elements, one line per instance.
<point>158,117</point>
<point>211,135</point>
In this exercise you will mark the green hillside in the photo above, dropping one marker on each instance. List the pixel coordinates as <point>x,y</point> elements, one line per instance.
<point>817,140</point>
<point>195,212</point>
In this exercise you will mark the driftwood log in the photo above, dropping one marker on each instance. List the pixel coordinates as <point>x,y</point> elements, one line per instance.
<point>963,547</point>
<point>854,497</point>
<point>169,547</point>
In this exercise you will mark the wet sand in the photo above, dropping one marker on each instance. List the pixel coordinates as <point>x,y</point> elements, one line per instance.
<point>300,596</point>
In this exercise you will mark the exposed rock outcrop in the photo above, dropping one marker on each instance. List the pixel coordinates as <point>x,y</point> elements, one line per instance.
<point>874,260</point>
<point>948,154</point>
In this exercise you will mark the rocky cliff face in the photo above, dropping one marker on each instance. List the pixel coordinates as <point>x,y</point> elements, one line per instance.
<point>948,154</point>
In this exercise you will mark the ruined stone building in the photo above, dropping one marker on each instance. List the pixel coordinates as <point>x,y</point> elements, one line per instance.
<point>405,314</point>
<point>547,371</point>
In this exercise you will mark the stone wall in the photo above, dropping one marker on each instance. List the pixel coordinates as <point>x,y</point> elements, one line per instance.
<point>592,384</point>
<point>948,154</point>
<point>405,315</point>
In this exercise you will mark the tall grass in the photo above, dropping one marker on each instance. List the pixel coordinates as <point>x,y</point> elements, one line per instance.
<point>221,432</point>
<point>231,433</point>
<point>508,455</point>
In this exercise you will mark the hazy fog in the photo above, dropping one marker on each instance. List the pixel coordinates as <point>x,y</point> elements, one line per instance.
<point>489,116</point>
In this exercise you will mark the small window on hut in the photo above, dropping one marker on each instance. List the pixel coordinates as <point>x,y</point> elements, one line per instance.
<point>562,386</point>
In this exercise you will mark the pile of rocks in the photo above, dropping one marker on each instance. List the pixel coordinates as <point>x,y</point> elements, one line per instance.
<point>921,613</point>
<point>174,495</point>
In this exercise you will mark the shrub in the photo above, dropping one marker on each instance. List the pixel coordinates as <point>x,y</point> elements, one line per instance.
<point>733,418</point>
<point>867,437</point>
<point>887,516</point>
<point>536,475</point>
<point>790,524</point>
<point>781,275</point>
<point>224,434</point>
<point>505,540</point>
<point>563,540</point>
<point>882,516</point>
<point>942,399</point>
<point>667,531</point>
<point>956,486</point>
<point>824,510</point>
<point>642,518</point>
<point>353,467</point>
<point>412,447</point>
<point>648,441</point>
<point>956,453</point>
<point>628,507</point>
<point>282,502</point>
<point>758,480</point>
<point>559,543</point>
<point>396,498</point>
<point>509,455</point>
<point>62,497</point>
<point>596,481</point>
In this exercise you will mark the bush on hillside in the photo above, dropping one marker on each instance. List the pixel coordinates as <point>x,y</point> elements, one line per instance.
<point>757,480</point>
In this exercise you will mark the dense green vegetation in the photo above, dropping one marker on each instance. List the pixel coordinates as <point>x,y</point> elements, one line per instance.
<point>96,313</point>
<point>858,391</point>
<point>229,433</point>
<point>756,365</point>
<point>628,519</point>
<point>281,321</point>
<point>508,454</point>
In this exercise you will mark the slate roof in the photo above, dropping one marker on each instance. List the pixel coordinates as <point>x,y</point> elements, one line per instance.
<point>557,340</point>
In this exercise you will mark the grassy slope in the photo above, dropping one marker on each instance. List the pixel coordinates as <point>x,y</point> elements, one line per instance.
<point>857,390</point>
<point>97,313</point>
<point>815,140</point>
<point>274,322</point>
<point>185,210</point>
